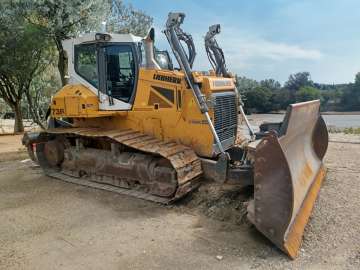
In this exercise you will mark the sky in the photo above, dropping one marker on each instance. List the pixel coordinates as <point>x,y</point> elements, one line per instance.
<point>271,38</point>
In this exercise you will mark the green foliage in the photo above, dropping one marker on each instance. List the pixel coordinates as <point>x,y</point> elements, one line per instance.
<point>307,93</point>
<point>280,99</point>
<point>270,84</point>
<point>245,84</point>
<point>262,96</point>
<point>41,89</point>
<point>268,95</point>
<point>21,45</point>
<point>3,107</point>
<point>24,54</point>
<point>259,98</point>
<point>330,99</point>
<point>126,19</point>
<point>63,19</point>
<point>351,98</point>
<point>357,79</point>
<point>298,80</point>
<point>352,131</point>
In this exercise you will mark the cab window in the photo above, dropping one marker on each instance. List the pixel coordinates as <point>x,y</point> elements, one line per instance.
<point>85,63</point>
<point>120,71</point>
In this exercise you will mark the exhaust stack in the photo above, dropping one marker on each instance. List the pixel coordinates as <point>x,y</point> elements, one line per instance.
<point>148,42</point>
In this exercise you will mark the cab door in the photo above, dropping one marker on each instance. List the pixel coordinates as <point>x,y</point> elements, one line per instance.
<point>118,69</point>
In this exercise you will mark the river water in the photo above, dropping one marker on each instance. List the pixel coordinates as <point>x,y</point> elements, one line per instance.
<point>336,120</point>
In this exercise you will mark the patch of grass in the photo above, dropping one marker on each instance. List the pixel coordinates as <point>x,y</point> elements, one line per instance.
<point>352,131</point>
<point>333,129</point>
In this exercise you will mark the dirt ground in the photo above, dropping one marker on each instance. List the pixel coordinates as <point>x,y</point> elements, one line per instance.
<point>11,148</point>
<point>49,224</point>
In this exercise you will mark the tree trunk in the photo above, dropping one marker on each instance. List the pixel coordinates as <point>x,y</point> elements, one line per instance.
<point>33,109</point>
<point>19,126</point>
<point>62,62</point>
<point>61,68</point>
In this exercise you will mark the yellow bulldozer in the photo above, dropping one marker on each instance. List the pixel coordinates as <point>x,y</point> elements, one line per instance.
<point>129,122</point>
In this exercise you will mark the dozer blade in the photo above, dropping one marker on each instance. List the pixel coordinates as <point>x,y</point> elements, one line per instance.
<point>287,176</point>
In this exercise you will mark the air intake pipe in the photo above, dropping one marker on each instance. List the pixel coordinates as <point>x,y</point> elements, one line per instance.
<point>148,42</point>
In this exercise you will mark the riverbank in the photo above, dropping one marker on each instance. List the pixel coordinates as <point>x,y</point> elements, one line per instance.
<point>322,112</point>
<point>333,121</point>
<point>340,113</point>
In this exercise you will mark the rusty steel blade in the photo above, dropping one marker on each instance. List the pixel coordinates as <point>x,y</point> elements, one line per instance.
<point>287,176</point>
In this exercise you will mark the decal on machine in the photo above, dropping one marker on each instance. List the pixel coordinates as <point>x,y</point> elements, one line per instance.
<point>198,122</point>
<point>58,111</point>
<point>169,79</point>
<point>221,83</point>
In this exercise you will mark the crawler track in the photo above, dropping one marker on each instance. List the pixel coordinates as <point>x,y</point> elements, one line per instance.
<point>182,159</point>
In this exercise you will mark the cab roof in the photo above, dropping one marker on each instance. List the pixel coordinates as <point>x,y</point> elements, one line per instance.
<point>89,37</point>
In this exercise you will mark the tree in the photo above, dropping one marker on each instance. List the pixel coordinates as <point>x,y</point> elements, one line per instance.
<point>258,99</point>
<point>245,84</point>
<point>298,80</point>
<point>351,95</point>
<point>42,87</point>
<point>357,79</point>
<point>279,96</point>
<point>307,93</point>
<point>271,84</point>
<point>125,19</point>
<point>331,98</point>
<point>280,99</point>
<point>21,58</point>
<point>356,92</point>
<point>64,19</point>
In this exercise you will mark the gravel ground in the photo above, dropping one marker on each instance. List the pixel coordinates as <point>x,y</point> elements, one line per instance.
<point>11,148</point>
<point>49,224</point>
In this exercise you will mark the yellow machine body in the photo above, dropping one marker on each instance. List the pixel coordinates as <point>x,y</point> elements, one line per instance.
<point>165,109</point>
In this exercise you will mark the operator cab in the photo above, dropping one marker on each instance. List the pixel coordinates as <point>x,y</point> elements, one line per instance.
<point>108,64</point>
<point>115,76</point>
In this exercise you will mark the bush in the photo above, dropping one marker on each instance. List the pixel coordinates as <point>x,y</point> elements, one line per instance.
<point>259,99</point>
<point>352,130</point>
<point>307,93</point>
